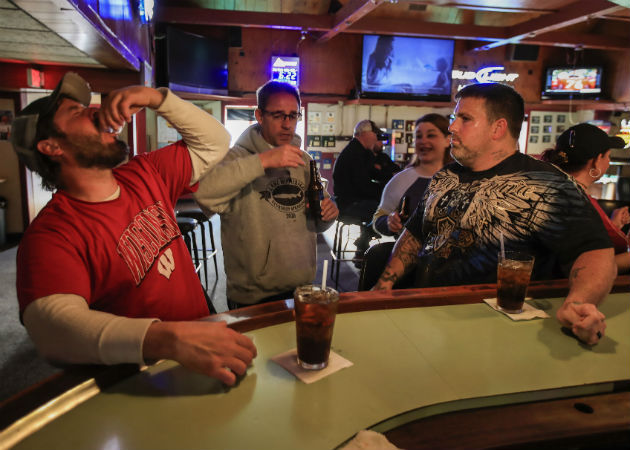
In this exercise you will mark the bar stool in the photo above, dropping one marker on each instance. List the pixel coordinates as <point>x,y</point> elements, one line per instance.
<point>339,248</point>
<point>188,208</point>
<point>187,227</point>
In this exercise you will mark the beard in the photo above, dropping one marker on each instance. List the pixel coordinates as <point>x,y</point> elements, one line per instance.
<point>89,152</point>
<point>463,155</point>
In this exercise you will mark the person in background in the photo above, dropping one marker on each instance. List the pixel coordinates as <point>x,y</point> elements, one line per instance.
<point>380,61</point>
<point>385,167</point>
<point>356,181</point>
<point>269,240</point>
<point>103,274</point>
<point>432,153</point>
<point>493,194</point>
<point>583,151</point>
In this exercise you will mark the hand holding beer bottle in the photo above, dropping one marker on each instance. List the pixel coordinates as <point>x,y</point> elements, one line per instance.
<point>315,194</point>
<point>396,219</point>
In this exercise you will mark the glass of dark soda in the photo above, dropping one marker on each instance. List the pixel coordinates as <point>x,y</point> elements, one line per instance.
<point>513,273</point>
<point>315,310</point>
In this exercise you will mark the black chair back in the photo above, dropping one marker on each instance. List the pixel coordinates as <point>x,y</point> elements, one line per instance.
<point>374,261</point>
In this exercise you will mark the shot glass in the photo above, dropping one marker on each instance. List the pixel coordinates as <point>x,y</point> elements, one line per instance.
<point>315,310</point>
<point>513,273</point>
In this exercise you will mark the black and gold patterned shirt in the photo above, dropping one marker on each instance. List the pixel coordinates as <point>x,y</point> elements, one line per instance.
<point>534,205</point>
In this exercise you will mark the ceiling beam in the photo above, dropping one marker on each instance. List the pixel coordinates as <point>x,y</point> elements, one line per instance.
<point>351,12</point>
<point>571,14</point>
<point>246,19</point>
<point>84,29</point>
<point>579,40</point>
<point>473,7</point>
<point>412,27</point>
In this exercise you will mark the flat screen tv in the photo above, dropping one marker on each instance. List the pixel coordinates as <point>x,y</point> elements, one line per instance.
<point>398,67</point>
<point>581,82</point>
<point>195,63</point>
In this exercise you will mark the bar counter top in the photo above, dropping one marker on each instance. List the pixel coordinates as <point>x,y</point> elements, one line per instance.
<point>417,354</point>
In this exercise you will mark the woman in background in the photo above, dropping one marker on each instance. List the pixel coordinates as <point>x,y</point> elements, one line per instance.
<point>380,60</point>
<point>583,151</point>
<point>432,153</point>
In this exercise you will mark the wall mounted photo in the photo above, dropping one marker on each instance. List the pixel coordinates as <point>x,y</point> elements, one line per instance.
<point>546,138</point>
<point>548,118</point>
<point>398,124</point>
<point>547,129</point>
<point>560,118</point>
<point>534,129</point>
<point>314,141</point>
<point>328,141</point>
<point>535,119</point>
<point>560,128</point>
<point>533,139</point>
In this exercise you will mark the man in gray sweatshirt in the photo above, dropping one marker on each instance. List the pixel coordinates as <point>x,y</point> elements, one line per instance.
<point>268,239</point>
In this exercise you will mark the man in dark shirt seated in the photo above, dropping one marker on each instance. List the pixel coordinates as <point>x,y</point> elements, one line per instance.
<point>359,177</point>
<point>492,193</point>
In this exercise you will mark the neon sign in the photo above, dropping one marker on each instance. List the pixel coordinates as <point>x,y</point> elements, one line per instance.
<point>492,74</point>
<point>286,69</point>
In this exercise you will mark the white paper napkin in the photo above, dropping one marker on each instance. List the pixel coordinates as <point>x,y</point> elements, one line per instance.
<point>369,440</point>
<point>288,360</point>
<point>528,313</point>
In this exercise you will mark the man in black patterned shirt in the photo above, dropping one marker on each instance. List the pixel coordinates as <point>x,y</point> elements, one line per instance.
<point>454,236</point>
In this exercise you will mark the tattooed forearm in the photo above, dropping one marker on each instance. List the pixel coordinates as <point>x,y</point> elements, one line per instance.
<point>404,256</point>
<point>575,273</point>
<point>407,250</point>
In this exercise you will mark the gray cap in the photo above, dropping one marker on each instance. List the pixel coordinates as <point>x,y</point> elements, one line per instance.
<point>24,128</point>
<point>368,125</point>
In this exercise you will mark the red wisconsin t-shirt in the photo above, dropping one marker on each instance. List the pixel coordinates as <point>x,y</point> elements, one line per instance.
<point>125,256</point>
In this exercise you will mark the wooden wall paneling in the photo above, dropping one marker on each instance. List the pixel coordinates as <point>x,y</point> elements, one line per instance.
<point>333,67</point>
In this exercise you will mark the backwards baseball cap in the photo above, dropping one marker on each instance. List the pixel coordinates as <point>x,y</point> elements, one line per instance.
<point>368,125</point>
<point>24,135</point>
<point>585,141</point>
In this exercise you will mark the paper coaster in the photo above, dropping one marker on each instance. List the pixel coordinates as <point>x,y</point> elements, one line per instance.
<point>288,360</point>
<point>529,312</point>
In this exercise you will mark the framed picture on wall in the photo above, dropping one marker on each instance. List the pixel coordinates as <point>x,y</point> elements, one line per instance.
<point>548,118</point>
<point>533,139</point>
<point>560,128</point>
<point>534,129</point>
<point>535,119</point>
<point>398,124</point>
<point>409,138</point>
<point>547,129</point>
<point>546,138</point>
<point>409,125</point>
<point>560,118</point>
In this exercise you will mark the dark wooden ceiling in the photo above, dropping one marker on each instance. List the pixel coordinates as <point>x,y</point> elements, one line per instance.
<point>584,23</point>
<point>52,32</point>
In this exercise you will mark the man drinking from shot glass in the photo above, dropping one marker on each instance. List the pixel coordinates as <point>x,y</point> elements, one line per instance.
<point>103,274</point>
<point>492,189</point>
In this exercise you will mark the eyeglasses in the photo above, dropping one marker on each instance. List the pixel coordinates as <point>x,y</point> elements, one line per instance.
<point>279,115</point>
<point>451,118</point>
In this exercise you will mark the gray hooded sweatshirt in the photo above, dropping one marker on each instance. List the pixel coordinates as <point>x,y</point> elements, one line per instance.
<point>269,243</point>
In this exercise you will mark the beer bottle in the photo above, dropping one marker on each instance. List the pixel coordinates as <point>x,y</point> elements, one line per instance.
<point>403,211</point>
<point>315,194</point>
